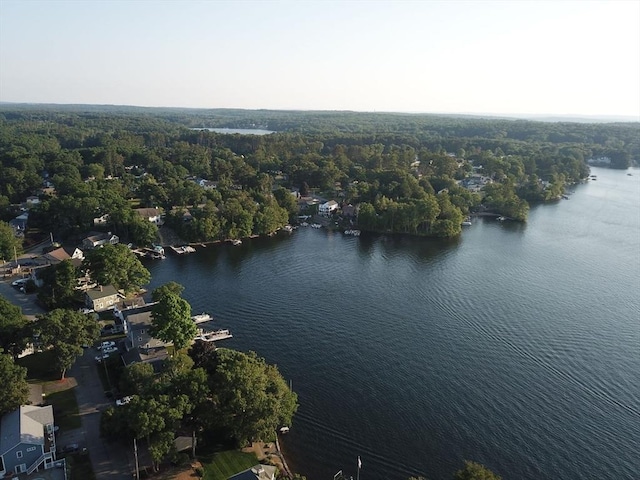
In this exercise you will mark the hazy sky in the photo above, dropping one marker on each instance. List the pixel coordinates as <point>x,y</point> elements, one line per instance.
<point>553,57</point>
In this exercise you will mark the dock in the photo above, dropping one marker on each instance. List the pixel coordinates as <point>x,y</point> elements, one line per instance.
<point>214,336</point>
<point>183,249</point>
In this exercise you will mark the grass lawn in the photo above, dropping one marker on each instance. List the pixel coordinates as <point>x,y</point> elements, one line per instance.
<point>65,409</point>
<point>221,465</point>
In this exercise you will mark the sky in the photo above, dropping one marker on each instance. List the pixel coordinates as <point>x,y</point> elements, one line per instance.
<point>501,57</point>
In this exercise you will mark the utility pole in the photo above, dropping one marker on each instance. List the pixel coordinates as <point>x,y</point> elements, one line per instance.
<point>135,454</point>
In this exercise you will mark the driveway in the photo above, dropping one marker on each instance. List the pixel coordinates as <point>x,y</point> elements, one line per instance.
<point>111,461</point>
<point>27,302</point>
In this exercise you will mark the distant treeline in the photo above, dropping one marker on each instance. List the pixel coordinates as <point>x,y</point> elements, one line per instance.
<point>404,171</point>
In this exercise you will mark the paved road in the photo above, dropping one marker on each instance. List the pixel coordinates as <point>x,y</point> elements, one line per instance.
<point>111,461</point>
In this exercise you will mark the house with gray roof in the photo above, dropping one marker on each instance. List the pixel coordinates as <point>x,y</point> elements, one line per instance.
<point>101,297</point>
<point>141,346</point>
<point>27,440</point>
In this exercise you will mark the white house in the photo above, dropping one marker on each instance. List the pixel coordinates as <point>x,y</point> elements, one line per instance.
<point>328,208</point>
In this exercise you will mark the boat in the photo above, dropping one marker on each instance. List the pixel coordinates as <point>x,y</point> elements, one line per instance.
<point>316,225</point>
<point>466,223</point>
<point>355,233</point>
<point>288,228</point>
<point>202,318</point>
<point>284,430</point>
<point>501,219</point>
<point>236,242</point>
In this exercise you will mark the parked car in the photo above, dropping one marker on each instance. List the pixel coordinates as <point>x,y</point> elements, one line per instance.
<point>71,448</point>
<point>20,282</point>
<point>106,344</point>
<point>123,400</point>
<point>100,358</point>
<point>107,350</point>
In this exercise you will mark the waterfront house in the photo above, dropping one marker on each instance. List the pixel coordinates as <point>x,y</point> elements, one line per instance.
<point>153,215</point>
<point>328,208</point>
<point>97,239</point>
<point>141,346</point>
<point>27,440</point>
<point>257,472</point>
<point>101,297</point>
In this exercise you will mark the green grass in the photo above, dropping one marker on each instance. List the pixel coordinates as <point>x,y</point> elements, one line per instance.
<point>79,466</point>
<point>39,367</point>
<point>65,409</point>
<point>221,465</point>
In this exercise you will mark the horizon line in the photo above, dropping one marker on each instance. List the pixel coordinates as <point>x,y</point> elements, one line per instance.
<point>609,116</point>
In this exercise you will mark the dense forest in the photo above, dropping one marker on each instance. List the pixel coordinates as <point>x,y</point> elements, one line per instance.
<point>403,173</point>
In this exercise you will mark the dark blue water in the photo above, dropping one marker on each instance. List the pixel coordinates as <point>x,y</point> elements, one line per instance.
<point>517,346</point>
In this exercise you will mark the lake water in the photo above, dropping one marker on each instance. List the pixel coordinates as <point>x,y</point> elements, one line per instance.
<point>517,346</point>
<point>242,131</point>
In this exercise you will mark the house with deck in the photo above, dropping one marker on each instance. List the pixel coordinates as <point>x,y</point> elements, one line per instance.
<point>27,441</point>
<point>328,208</point>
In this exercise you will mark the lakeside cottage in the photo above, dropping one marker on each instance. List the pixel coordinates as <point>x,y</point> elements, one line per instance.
<point>328,208</point>
<point>153,215</point>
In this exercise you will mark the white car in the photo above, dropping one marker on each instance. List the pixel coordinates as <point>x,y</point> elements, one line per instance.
<point>123,400</point>
<point>109,349</point>
<point>19,283</point>
<point>100,358</point>
<point>106,344</point>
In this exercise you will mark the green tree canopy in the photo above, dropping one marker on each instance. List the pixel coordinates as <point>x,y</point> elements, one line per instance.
<point>65,331</point>
<point>10,245</point>
<point>475,471</point>
<point>171,321</point>
<point>118,266</point>
<point>15,389</point>
<point>58,287</point>
<point>14,328</point>
<point>251,398</point>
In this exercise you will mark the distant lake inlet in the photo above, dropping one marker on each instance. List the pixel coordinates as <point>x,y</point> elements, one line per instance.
<point>242,131</point>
